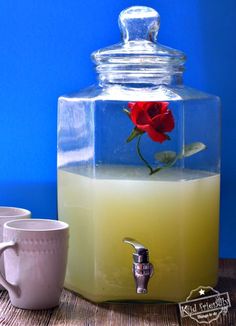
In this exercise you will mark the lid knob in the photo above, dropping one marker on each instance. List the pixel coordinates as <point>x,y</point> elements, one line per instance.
<point>139,23</point>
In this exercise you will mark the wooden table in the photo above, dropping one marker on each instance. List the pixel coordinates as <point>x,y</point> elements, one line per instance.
<point>74,310</point>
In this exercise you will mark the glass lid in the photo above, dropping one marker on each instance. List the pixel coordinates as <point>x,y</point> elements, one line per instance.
<point>139,29</point>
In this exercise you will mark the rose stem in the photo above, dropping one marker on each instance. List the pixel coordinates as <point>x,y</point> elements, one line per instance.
<point>141,156</point>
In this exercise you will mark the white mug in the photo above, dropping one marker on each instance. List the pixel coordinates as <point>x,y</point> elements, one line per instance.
<point>9,214</point>
<point>35,260</point>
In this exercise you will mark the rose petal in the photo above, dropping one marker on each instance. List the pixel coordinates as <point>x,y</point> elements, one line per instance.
<point>143,118</point>
<point>131,105</point>
<point>155,108</point>
<point>164,107</point>
<point>169,122</point>
<point>155,135</point>
<point>163,122</point>
<point>134,112</point>
<point>144,127</point>
<point>138,115</point>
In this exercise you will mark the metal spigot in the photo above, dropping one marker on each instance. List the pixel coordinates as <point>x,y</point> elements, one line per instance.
<point>142,269</point>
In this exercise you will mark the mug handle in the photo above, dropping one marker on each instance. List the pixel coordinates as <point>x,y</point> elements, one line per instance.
<point>3,281</point>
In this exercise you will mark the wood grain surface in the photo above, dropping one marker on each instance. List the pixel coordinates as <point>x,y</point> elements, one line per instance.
<point>74,310</point>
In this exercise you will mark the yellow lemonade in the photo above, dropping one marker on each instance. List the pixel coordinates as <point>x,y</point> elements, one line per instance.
<point>174,213</point>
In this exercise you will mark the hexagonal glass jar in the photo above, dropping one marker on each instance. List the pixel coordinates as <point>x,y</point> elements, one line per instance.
<point>139,173</point>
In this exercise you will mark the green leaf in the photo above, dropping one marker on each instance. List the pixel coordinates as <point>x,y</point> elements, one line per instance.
<point>126,112</point>
<point>135,132</point>
<point>166,157</point>
<point>193,148</point>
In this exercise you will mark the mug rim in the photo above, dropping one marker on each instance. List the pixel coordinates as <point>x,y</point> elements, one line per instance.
<point>17,222</point>
<point>22,212</point>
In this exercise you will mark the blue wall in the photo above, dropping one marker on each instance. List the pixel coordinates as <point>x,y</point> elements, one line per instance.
<point>45,51</point>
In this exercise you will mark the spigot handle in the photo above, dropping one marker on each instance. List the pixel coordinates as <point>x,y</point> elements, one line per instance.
<point>141,254</point>
<point>137,246</point>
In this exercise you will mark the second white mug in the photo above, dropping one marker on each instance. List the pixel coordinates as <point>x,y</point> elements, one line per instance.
<point>9,214</point>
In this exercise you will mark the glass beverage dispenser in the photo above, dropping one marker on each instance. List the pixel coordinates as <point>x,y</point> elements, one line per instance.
<point>139,173</point>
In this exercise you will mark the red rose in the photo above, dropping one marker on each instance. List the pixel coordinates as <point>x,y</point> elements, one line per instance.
<point>152,117</point>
